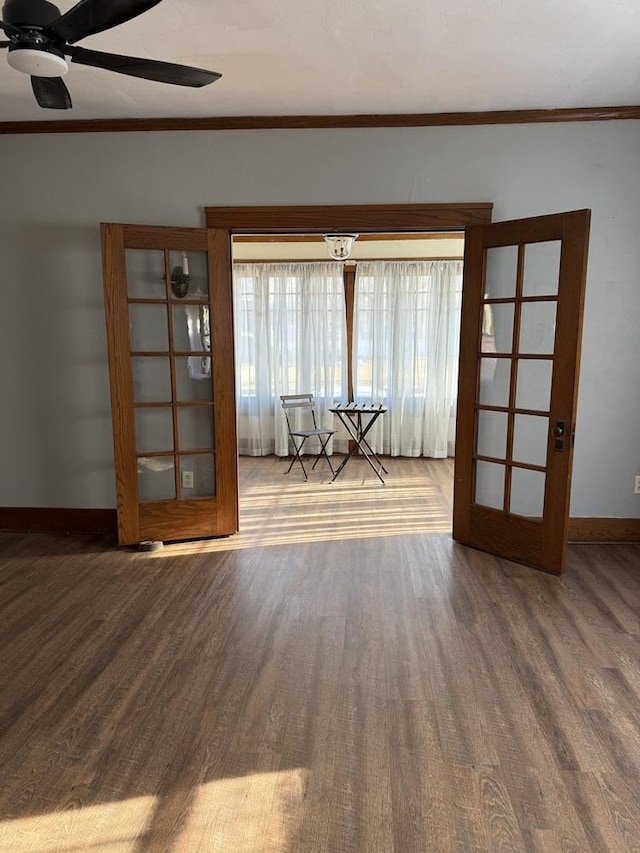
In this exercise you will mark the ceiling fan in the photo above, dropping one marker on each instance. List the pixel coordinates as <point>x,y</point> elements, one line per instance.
<point>40,38</point>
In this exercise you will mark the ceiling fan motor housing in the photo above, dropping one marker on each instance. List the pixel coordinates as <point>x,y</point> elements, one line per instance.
<point>29,13</point>
<point>33,52</point>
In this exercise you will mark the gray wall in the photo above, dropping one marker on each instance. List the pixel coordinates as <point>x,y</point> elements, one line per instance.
<point>55,429</point>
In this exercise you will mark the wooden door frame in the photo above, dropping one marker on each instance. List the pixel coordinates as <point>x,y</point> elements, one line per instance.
<point>361,219</point>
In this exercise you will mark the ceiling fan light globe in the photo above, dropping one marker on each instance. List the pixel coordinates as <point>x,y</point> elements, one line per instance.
<point>37,63</point>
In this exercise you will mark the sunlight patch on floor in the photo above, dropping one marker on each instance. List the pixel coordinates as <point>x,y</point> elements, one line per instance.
<point>251,814</point>
<point>257,813</point>
<point>105,828</point>
<point>292,512</point>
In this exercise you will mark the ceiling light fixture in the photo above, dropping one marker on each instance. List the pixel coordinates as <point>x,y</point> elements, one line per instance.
<point>39,62</point>
<point>339,246</point>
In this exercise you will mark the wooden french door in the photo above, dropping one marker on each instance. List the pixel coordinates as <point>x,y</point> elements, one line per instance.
<point>519,359</point>
<point>171,364</point>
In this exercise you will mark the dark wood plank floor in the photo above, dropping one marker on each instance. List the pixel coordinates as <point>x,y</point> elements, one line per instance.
<point>375,691</point>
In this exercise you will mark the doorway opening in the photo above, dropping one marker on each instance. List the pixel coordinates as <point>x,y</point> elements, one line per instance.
<point>409,219</point>
<point>380,327</point>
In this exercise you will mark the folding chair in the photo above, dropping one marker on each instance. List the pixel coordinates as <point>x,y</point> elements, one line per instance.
<point>304,403</point>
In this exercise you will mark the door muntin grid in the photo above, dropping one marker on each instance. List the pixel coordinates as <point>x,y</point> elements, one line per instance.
<point>515,365</point>
<point>171,363</point>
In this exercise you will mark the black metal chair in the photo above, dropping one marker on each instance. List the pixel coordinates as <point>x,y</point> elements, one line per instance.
<point>305,406</point>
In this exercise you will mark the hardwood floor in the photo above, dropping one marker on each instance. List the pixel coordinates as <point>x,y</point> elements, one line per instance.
<point>280,508</point>
<point>340,677</point>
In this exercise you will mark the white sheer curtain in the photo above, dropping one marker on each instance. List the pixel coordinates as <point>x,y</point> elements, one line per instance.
<point>290,339</point>
<point>406,339</point>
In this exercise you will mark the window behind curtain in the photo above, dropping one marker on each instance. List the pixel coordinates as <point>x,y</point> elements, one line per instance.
<point>406,341</point>
<point>290,338</point>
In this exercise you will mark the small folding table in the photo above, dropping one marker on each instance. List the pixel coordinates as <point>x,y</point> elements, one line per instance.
<point>358,418</point>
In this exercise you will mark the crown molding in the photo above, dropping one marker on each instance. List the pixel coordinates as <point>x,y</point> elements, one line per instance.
<point>129,125</point>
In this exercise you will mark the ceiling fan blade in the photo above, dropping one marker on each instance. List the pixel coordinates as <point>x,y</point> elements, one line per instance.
<point>51,93</point>
<point>148,69</point>
<point>93,16</point>
<point>9,29</point>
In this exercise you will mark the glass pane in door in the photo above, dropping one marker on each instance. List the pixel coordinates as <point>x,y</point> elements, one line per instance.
<point>492,434</point>
<point>193,378</point>
<point>189,275</point>
<point>145,274</point>
<point>541,269</point>
<point>533,388</point>
<point>489,484</point>
<point>195,427</point>
<point>191,328</point>
<point>154,430</point>
<point>148,328</point>
<point>156,478</point>
<point>500,272</point>
<point>497,332</point>
<point>530,439</point>
<point>527,492</point>
<point>537,328</point>
<point>151,379</point>
<point>495,381</point>
<point>199,470</point>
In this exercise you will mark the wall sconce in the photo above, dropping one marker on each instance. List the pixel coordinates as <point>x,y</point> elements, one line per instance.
<point>180,279</point>
<point>339,246</point>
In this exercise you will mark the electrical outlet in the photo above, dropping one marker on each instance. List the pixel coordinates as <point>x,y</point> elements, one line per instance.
<point>187,479</point>
<point>636,485</point>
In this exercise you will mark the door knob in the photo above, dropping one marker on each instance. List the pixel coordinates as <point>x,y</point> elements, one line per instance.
<point>558,431</point>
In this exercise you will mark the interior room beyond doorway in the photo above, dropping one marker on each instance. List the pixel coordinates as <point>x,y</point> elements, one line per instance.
<point>374,357</point>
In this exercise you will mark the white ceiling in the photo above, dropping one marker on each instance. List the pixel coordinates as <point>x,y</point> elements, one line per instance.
<point>287,57</point>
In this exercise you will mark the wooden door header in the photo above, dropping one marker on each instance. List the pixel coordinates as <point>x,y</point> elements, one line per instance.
<point>296,219</point>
